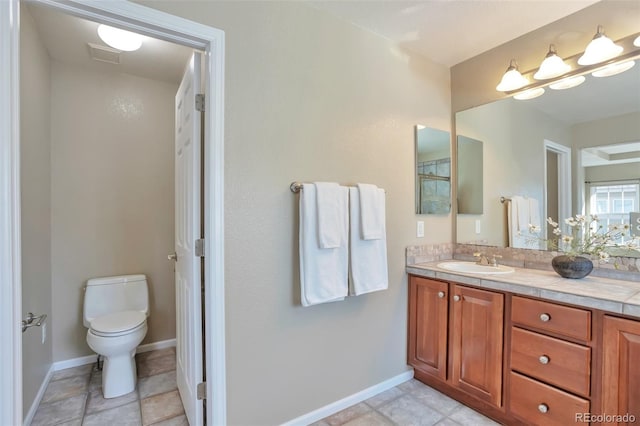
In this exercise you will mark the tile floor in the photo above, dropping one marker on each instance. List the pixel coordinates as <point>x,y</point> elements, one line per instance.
<point>74,397</point>
<point>411,403</point>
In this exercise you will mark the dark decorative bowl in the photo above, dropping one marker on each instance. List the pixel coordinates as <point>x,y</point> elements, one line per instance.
<point>572,266</point>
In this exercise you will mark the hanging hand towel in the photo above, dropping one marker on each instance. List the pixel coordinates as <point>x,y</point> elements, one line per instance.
<point>323,272</point>
<point>368,258</point>
<point>372,212</point>
<point>332,205</point>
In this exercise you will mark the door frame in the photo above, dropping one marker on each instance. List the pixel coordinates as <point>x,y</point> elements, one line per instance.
<point>153,23</point>
<point>564,180</point>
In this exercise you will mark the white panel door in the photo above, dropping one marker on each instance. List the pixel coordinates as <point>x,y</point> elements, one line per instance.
<point>187,216</point>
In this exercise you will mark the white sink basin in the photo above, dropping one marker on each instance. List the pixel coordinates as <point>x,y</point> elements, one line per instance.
<point>474,268</point>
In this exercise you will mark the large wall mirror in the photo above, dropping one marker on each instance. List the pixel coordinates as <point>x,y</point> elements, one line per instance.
<point>433,170</point>
<point>574,151</point>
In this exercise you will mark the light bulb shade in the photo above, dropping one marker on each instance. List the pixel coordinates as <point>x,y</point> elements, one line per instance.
<point>567,83</point>
<point>529,94</point>
<point>552,66</point>
<point>636,42</point>
<point>600,49</point>
<point>512,79</point>
<point>613,69</point>
<point>119,39</point>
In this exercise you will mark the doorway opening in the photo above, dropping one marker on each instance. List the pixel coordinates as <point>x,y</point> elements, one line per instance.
<point>557,183</point>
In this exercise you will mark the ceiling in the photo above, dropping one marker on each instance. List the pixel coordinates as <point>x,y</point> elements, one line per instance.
<point>467,28</point>
<point>451,31</point>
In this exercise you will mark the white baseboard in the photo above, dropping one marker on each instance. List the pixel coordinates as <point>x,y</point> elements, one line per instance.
<point>350,400</point>
<point>36,401</point>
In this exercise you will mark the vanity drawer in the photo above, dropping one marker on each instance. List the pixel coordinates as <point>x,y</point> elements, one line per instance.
<point>563,364</point>
<point>541,404</point>
<point>563,320</point>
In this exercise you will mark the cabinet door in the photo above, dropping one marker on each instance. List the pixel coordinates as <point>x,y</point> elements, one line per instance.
<point>428,309</point>
<point>476,334</point>
<point>621,369</point>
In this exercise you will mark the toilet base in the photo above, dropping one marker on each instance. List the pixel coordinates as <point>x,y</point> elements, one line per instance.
<point>125,377</point>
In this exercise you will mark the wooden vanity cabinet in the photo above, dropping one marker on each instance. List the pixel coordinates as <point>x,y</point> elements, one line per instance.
<point>621,370</point>
<point>456,337</point>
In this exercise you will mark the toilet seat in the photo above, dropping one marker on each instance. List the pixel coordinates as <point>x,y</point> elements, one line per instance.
<point>118,323</point>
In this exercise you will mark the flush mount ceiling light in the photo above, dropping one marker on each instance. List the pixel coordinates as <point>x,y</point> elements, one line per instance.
<point>529,94</point>
<point>552,66</point>
<point>613,69</point>
<point>568,83</point>
<point>600,49</point>
<point>512,79</point>
<point>119,39</point>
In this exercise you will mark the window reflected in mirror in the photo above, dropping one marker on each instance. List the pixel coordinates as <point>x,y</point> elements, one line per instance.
<point>433,171</point>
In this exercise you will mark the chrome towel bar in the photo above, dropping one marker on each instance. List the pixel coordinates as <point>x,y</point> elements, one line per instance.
<point>296,187</point>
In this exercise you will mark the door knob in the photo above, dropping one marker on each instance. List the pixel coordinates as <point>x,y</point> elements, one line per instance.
<point>173,256</point>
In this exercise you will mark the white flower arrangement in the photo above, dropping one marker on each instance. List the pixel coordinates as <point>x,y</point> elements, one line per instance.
<point>587,236</point>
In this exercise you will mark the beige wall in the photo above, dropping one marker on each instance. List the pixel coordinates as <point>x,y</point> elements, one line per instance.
<point>35,93</point>
<point>473,81</point>
<point>112,194</point>
<point>310,97</point>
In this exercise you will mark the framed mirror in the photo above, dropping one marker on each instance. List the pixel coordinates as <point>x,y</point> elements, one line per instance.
<point>433,170</point>
<point>587,135</point>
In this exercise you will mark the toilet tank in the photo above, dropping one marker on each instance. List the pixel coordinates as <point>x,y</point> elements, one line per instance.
<point>114,294</point>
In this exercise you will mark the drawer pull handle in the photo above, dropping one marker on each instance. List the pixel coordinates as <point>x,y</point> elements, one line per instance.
<point>544,359</point>
<point>456,298</point>
<point>543,408</point>
<point>545,317</point>
<point>441,294</point>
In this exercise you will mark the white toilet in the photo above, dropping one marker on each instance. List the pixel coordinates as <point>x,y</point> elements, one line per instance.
<point>115,312</point>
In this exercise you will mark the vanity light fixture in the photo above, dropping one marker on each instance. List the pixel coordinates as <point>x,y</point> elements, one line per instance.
<point>636,42</point>
<point>568,83</point>
<point>512,79</point>
<point>614,69</point>
<point>552,66</point>
<point>529,94</point>
<point>600,49</point>
<point>120,39</point>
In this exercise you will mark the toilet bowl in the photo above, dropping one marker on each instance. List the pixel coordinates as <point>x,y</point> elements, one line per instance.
<point>115,313</point>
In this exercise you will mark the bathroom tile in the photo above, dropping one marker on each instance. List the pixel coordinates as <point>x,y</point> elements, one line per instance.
<point>66,388</point>
<point>370,419</point>
<point>126,415</point>
<point>436,400</point>
<point>411,385</point>
<point>156,365</point>
<point>408,411</point>
<point>76,422</point>
<point>97,402</point>
<point>59,411</point>
<point>467,416</point>
<point>320,423</point>
<point>83,370</point>
<point>341,417</point>
<point>160,383</point>
<point>384,397</point>
<point>96,381</point>
<point>175,421</point>
<point>161,407</point>
<point>144,356</point>
<point>447,422</point>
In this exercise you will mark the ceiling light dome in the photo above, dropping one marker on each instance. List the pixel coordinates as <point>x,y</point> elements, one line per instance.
<point>119,39</point>
<point>613,69</point>
<point>600,49</point>
<point>512,79</point>
<point>552,66</point>
<point>567,83</point>
<point>529,94</point>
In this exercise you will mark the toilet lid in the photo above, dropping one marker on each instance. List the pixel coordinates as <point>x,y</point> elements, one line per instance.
<point>118,322</point>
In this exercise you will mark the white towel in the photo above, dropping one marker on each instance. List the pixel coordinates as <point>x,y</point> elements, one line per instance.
<point>372,211</point>
<point>522,207</point>
<point>323,272</point>
<point>368,258</point>
<point>332,205</point>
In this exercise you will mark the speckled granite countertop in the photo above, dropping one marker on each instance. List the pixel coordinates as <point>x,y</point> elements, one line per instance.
<point>607,294</point>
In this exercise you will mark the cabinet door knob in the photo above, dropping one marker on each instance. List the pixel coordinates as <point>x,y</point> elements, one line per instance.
<point>544,359</point>
<point>441,294</point>
<point>456,298</point>
<point>543,408</point>
<point>545,317</point>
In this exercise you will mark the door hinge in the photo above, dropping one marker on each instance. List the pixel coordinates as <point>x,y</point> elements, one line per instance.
<point>201,391</point>
<point>199,247</point>
<point>200,102</point>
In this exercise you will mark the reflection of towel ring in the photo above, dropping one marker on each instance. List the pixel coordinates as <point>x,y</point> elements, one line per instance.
<point>504,199</point>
